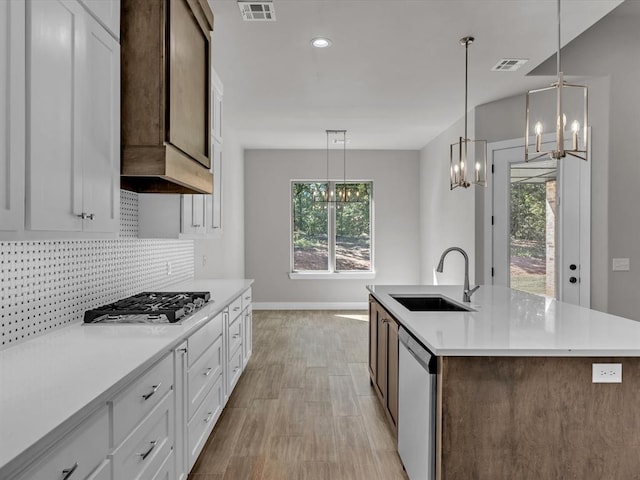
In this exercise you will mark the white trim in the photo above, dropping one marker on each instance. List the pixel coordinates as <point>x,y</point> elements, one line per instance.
<point>332,275</point>
<point>310,305</point>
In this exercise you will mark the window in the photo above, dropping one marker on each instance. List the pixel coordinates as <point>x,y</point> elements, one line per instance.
<point>331,236</point>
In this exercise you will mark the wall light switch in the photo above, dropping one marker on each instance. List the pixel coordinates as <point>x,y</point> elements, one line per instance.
<point>621,265</point>
<point>607,373</point>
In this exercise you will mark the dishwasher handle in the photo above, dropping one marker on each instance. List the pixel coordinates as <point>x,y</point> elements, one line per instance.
<point>418,351</point>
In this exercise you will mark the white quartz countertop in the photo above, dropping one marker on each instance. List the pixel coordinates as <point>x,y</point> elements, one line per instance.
<point>50,383</point>
<point>508,322</point>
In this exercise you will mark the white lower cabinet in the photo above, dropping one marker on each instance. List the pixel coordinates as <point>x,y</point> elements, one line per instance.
<point>103,472</point>
<point>204,419</point>
<point>77,455</point>
<point>143,452</point>
<point>156,426</point>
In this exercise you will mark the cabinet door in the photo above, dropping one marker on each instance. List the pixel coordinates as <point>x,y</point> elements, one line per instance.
<point>54,169</point>
<point>99,129</point>
<point>181,392</point>
<point>107,12</point>
<point>392,370</point>
<point>247,343</point>
<point>373,338</point>
<point>189,128</point>
<point>216,114</point>
<point>214,201</point>
<point>193,214</point>
<point>12,115</point>
<point>381,373</point>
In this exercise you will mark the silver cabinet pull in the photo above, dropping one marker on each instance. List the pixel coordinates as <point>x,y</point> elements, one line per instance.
<point>91,216</point>
<point>247,297</point>
<point>148,452</point>
<point>208,372</point>
<point>183,350</point>
<point>236,309</point>
<point>155,388</point>
<point>236,335</point>
<point>195,225</point>
<point>209,415</point>
<point>82,215</point>
<point>236,369</point>
<point>67,472</point>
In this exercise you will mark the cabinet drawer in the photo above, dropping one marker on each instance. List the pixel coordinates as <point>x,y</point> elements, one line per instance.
<point>235,336</point>
<point>235,308</point>
<point>204,419</point>
<point>167,469</point>
<point>138,400</point>
<point>235,370</point>
<point>103,472</point>
<point>203,373</point>
<point>82,451</point>
<point>143,452</point>
<point>200,341</point>
<point>246,299</point>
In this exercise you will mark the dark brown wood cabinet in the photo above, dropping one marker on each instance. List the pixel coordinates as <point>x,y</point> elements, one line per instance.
<point>166,105</point>
<point>383,358</point>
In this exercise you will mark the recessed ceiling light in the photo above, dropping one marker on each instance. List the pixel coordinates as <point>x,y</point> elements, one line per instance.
<point>321,42</point>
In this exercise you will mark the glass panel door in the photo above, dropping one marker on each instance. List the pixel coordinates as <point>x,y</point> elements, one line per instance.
<point>533,227</point>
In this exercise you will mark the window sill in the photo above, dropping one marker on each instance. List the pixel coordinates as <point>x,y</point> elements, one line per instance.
<point>332,276</point>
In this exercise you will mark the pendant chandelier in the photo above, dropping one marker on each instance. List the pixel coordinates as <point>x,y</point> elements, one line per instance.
<point>343,192</point>
<point>467,152</point>
<point>571,110</point>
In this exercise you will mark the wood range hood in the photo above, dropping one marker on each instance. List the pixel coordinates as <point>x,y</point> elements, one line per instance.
<point>166,105</point>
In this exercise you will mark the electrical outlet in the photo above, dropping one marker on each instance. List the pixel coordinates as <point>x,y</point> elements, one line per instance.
<point>168,268</point>
<point>607,373</point>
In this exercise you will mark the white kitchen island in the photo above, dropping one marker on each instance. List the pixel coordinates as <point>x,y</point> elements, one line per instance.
<point>515,395</point>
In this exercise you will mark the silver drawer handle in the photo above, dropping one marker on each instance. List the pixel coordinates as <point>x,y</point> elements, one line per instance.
<point>85,216</point>
<point>236,309</point>
<point>67,472</point>
<point>150,394</point>
<point>196,225</point>
<point>247,297</point>
<point>236,335</point>
<point>208,372</point>
<point>236,369</point>
<point>148,452</point>
<point>91,216</point>
<point>209,415</point>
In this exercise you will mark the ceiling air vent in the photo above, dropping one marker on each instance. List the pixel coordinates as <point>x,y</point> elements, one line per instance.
<point>509,64</point>
<point>257,11</point>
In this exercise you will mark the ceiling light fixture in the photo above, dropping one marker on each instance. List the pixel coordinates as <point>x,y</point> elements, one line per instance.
<point>344,192</point>
<point>571,102</point>
<point>321,42</point>
<point>465,150</point>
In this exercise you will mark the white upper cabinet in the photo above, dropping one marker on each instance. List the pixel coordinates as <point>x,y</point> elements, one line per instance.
<point>72,120</point>
<point>193,217</point>
<point>12,111</point>
<point>107,12</point>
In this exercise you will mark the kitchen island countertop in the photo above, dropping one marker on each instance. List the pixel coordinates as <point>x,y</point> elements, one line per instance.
<point>507,322</point>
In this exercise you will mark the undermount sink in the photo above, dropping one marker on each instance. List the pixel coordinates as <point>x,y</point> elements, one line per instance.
<point>429,303</point>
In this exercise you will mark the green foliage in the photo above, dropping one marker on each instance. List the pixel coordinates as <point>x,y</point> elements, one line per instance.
<point>528,217</point>
<point>310,213</point>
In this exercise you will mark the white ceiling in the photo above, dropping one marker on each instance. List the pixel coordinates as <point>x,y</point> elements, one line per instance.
<point>394,77</point>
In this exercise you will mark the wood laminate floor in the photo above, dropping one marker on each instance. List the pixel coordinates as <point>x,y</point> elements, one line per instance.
<point>304,407</point>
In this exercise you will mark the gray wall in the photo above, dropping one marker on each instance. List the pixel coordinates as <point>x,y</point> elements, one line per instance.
<point>268,174</point>
<point>607,53</point>
<point>446,217</point>
<point>225,255</point>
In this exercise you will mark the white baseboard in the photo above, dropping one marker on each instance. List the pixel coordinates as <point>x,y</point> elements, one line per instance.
<point>310,305</point>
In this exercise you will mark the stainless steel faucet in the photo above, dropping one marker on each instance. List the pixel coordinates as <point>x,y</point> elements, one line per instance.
<point>466,295</point>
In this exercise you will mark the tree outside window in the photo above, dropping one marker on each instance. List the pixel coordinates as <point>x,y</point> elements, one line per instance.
<point>331,226</point>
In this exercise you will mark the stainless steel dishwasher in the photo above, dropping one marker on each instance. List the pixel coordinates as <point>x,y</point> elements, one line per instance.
<point>416,408</point>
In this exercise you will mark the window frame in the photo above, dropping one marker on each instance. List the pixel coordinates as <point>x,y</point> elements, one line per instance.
<point>331,237</point>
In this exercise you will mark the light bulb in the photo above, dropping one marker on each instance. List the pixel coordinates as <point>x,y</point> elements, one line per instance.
<point>538,128</point>
<point>456,169</point>
<point>575,126</point>
<point>477,166</point>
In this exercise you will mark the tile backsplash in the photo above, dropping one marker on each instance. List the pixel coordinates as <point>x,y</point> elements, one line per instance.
<point>48,284</point>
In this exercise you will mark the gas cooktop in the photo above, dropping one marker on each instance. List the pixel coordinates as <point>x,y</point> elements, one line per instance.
<point>149,308</point>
